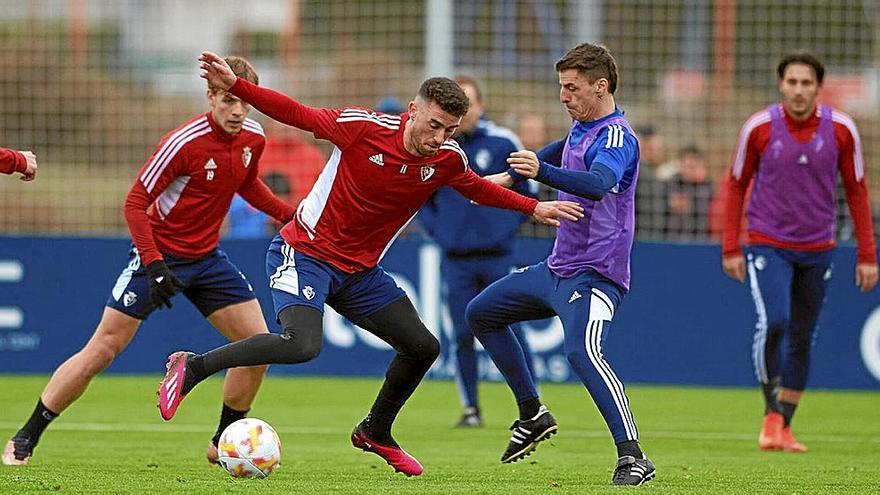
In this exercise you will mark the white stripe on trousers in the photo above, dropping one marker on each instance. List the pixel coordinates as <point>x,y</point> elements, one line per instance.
<point>760,343</point>
<point>593,345</point>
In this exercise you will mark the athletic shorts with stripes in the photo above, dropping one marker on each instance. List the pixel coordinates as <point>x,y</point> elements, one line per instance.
<point>211,282</point>
<point>296,279</point>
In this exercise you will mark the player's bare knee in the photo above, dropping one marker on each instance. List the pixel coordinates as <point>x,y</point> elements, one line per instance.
<point>96,358</point>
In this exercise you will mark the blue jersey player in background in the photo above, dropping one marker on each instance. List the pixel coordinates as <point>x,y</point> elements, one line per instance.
<point>587,274</point>
<point>478,242</point>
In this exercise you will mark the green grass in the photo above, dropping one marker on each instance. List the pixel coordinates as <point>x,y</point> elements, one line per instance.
<point>702,441</point>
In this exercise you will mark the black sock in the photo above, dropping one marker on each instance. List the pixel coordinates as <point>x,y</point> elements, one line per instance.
<point>379,420</point>
<point>529,408</point>
<point>39,420</point>
<point>195,372</point>
<point>227,416</point>
<point>630,447</point>
<point>770,390</point>
<point>787,411</point>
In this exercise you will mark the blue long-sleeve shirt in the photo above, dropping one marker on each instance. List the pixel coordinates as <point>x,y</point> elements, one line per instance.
<point>590,184</point>
<point>461,227</point>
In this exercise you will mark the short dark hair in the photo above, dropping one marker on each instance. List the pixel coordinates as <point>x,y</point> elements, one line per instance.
<point>593,61</point>
<point>645,131</point>
<point>805,58</point>
<point>470,81</point>
<point>690,149</point>
<point>277,183</point>
<point>446,93</point>
<point>242,68</point>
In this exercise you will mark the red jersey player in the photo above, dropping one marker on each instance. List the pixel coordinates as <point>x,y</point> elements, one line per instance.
<point>384,167</point>
<point>174,211</point>
<point>23,162</point>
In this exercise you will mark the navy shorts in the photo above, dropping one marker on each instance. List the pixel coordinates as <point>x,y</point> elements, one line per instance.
<point>296,279</point>
<point>212,282</point>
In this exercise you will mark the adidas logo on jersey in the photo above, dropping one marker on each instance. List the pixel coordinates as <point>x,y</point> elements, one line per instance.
<point>377,159</point>
<point>574,297</point>
<point>210,167</point>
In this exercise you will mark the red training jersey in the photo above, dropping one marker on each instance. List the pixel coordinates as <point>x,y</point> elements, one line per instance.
<point>754,138</point>
<point>371,186</point>
<point>181,195</point>
<point>11,161</point>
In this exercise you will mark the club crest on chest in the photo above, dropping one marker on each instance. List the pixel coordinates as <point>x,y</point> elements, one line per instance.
<point>246,156</point>
<point>425,171</point>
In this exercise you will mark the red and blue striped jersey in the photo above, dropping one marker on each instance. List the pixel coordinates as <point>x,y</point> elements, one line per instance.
<point>371,187</point>
<point>182,193</point>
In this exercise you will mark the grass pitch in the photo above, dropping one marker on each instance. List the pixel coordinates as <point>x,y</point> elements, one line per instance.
<point>702,441</point>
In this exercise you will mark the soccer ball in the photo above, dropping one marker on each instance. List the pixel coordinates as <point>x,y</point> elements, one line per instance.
<point>249,448</point>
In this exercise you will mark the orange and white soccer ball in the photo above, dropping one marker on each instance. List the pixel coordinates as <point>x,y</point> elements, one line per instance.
<point>249,448</point>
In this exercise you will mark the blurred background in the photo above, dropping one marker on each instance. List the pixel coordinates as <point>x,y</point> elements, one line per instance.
<point>92,85</point>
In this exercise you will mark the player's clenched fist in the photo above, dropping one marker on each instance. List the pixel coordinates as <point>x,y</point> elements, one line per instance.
<point>163,283</point>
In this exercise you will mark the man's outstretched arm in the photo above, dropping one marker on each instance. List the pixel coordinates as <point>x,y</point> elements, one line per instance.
<point>276,105</point>
<point>23,162</point>
<point>486,193</point>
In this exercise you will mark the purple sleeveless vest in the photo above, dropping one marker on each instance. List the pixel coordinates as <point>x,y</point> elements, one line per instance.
<point>603,239</point>
<point>794,197</point>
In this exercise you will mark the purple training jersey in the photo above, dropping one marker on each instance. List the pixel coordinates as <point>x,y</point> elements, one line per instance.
<point>603,239</point>
<point>795,190</point>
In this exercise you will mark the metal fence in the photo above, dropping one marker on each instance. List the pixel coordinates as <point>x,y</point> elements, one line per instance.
<point>92,85</point>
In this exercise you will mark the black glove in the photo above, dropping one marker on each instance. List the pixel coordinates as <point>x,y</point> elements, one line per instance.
<point>163,283</point>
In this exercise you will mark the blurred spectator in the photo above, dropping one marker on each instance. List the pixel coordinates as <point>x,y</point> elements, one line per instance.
<point>289,163</point>
<point>291,153</point>
<point>478,242</point>
<point>389,104</point>
<point>689,195</point>
<point>651,149</point>
<point>875,214</point>
<point>665,170</point>
<point>716,213</point>
<point>650,190</point>
<point>532,130</point>
<point>246,222</point>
